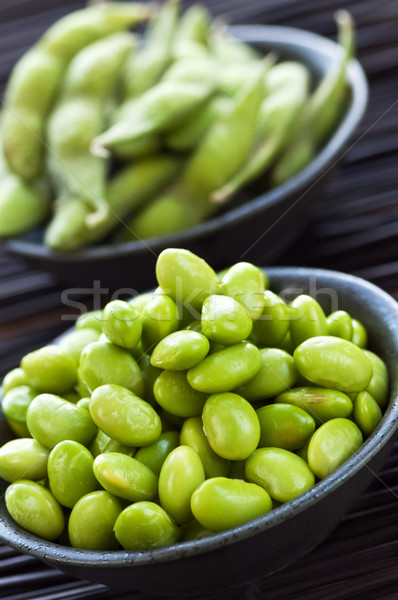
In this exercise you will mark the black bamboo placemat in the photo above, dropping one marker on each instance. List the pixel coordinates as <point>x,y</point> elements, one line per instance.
<point>354,228</point>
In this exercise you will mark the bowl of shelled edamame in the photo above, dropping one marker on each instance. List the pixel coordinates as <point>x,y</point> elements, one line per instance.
<point>204,137</point>
<point>177,457</point>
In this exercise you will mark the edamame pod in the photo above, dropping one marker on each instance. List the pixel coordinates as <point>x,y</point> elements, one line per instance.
<point>36,77</point>
<point>78,116</point>
<point>221,503</point>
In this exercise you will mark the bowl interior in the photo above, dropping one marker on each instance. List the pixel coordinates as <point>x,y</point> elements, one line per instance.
<point>379,313</point>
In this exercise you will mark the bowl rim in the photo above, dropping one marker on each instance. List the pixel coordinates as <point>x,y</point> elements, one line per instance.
<point>289,38</point>
<point>13,535</point>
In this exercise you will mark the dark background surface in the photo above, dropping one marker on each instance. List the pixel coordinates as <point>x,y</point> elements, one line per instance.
<point>353,228</point>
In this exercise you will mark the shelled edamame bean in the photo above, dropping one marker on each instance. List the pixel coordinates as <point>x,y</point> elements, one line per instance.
<point>110,136</point>
<point>181,413</point>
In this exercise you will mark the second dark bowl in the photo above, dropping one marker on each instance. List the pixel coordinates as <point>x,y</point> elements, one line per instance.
<point>260,229</point>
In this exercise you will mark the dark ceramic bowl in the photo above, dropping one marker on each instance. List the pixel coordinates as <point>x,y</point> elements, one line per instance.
<point>258,230</point>
<point>270,543</point>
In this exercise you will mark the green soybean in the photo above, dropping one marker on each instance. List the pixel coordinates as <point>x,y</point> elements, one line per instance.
<point>333,362</point>
<point>367,413</point>
<point>379,385</point>
<point>51,419</point>
<point>340,324</point>
<point>225,369</point>
<point>359,334</point>
<point>70,472</point>
<point>145,525</point>
<point>103,443</point>
<point>321,403</point>
<point>283,474</point>
<point>224,320</point>
<point>35,509</point>
<point>221,503</point>
<point>14,405</point>
<point>123,416</point>
<point>50,369</point>
<point>125,477</point>
<point>332,444</point>
<point>104,363</point>
<point>154,455</point>
<point>182,472</point>
<point>284,426</point>
<point>277,373</point>
<point>159,319</point>
<point>231,426</point>
<point>186,277</point>
<point>272,324</point>
<point>14,378</point>
<point>193,435</point>
<point>92,519</point>
<point>308,321</point>
<point>73,343</point>
<point>173,393</point>
<point>121,324</point>
<point>23,458</point>
<point>180,351</point>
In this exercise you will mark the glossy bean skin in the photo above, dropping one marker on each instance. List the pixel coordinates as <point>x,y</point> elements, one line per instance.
<point>276,374</point>
<point>121,324</point>
<point>194,531</point>
<point>224,320</point>
<point>180,351</point>
<point>70,472</point>
<point>226,369</point>
<point>321,403</point>
<point>15,404</point>
<point>150,374</point>
<point>186,277</point>
<point>309,320</point>
<point>123,416</point>
<point>35,509</point>
<point>154,455</point>
<point>23,458</point>
<point>125,477</point>
<point>379,385</point>
<point>284,426</point>
<point>192,435</point>
<point>103,443</point>
<point>145,525</point>
<point>245,283</point>
<point>14,378</point>
<point>51,419</point>
<point>74,342</point>
<point>160,318</point>
<point>332,444</point>
<point>359,334</point>
<point>49,369</point>
<point>104,363</point>
<point>367,413</point>
<point>231,426</point>
<point>182,472</point>
<point>272,325</point>
<point>283,474</point>
<point>173,392</point>
<point>92,520</point>
<point>221,503</point>
<point>334,363</point>
<point>92,319</point>
<point>340,324</point>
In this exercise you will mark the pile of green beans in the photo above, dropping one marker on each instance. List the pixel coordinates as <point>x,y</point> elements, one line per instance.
<point>109,135</point>
<point>185,411</point>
